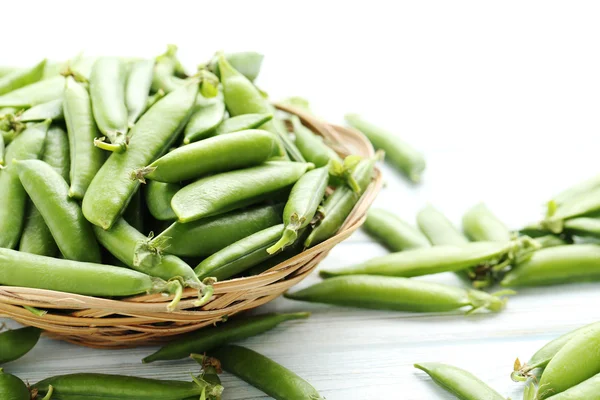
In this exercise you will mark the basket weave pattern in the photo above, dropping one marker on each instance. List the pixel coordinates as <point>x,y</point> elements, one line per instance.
<point>143,320</point>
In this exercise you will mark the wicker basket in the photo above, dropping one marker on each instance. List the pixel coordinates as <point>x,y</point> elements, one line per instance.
<point>143,320</point>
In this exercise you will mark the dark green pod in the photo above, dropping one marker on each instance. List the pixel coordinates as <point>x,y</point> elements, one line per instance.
<point>12,388</point>
<point>158,199</point>
<point>14,344</point>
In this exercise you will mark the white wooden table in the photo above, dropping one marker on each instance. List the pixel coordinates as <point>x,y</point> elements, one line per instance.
<point>502,99</point>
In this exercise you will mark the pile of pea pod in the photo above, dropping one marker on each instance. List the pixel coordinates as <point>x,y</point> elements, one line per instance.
<point>181,178</point>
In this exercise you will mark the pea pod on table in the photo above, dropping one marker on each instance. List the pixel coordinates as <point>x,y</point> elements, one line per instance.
<point>14,344</point>
<point>400,294</point>
<point>462,384</point>
<point>480,224</point>
<point>100,386</point>
<point>207,236</point>
<point>113,186</point>
<point>227,332</point>
<point>241,255</point>
<point>213,155</point>
<point>137,89</point>
<point>557,265</point>
<point>393,232</point>
<point>228,191</point>
<point>209,114</point>
<point>51,110</point>
<point>397,151</point>
<point>158,199</point>
<point>242,123</point>
<point>302,205</point>
<point>34,94</point>
<point>12,388</point>
<point>86,159</point>
<point>22,77</point>
<point>438,228</point>
<point>28,144</point>
<point>264,373</point>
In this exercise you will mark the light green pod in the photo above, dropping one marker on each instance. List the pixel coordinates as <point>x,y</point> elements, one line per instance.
<point>242,123</point>
<point>588,390</point>
<point>22,77</point>
<point>393,232</point>
<point>34,94</point>
<point>208,116</point>
<point>137,89</point>
<point>248,63</point>
<point>480,224</point>
<point>51,110</point>
<point>438,228</point>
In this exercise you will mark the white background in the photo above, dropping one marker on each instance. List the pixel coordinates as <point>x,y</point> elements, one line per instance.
<point>502,97</point>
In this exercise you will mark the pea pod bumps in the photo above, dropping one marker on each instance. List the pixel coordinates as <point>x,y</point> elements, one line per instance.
<point>113,186</point>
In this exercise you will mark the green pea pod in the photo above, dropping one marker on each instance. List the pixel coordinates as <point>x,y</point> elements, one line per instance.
<point>557,265</point>
<point>51,110</point>
<point>530,391</point>
<point>577,361</point>
<point>100,386</point>
<point>12,388</point>
<point>107,91</point>
<point>248,63</point>
<point>207,236</point>
<point>311,146</point>
<point>50,195</point>
<point>265,374</point>
<point>544,355</point>
<point>300,209</point>
<point>135,212</point>
<point>397,151</point>
<point>216,336</point>
<point>21,78</point>
<point>459,382</point>
<point>16,343</point>
<point>581,205</point>
<point>340,204</point>
<point>587,390</point>
<point>113,186</point>
<point>36,237</point>
<point>480,224</point>
<point>206,197</point>
<point>158,199</point>
<point>205,119</point>
<point>137,89</point>
<point>437,259</point>
<point>242,97</point>
<point>86,159</point>
<point>551,241</point>
<point>27,145</point>
<point>438,229</point>
<point>572,193</point>
<point>242,123</point>
<point>154,98</point>
<point>240,256</point>
<point>283,256</point>
<point>213,155</point>
<point>165,68</point>
<point>34,94</point>
<point>393,232</point>
<point>400,294</point>
<point>588,226</point>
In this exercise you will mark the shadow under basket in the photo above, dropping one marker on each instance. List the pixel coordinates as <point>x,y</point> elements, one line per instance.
<point>144,320</point>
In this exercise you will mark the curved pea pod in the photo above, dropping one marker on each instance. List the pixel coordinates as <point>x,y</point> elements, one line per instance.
<point>393,232</point>
<point>575,191</point>
<point>400,294</point>
<point>480,224</point>
<point>242,123</point>
<point>205,119</point>
<point>220,193</point>
<point>216,336</point>
<point>28,144</point>
<point>22,77</point>
<point>301,207</point>
<point>12,388</point>
<point>340,204</point>
<point>240,256</point>
<point>100,386</point>
<point>248,63</point>
<point>588,226</point>
<point>86,159</point>
<point>137,89</point>
<point>397,151</point>
<point>165,66</point>
<point>588,390</point>
<point>437,259</point>
<point>557,265</point>
<point>51,110</point>
<point>461,383</point>
<point>107,91</point>
<point>577,361</point>
<point>580,205</point>
<point>544,355</point>
<point>213,155</point>
<point>16,343</point>
<point>242,97</point>
<point>34,94</point>
<point>158,199</point>
<point>50,195</point>
<point>311,146</point>
<point>36,237</point>
<point>113,186</point>
<point>207,236</point>
<point>438,228</point>
<point>265,374</point>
